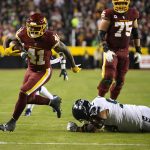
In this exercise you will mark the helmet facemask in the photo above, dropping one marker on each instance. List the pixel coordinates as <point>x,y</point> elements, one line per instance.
<point>35,31</point>
<point>121,6</point>
<point>36,26</point>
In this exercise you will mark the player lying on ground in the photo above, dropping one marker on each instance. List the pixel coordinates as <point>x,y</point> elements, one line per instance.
<point>38,41</point>
<point>105,114</point>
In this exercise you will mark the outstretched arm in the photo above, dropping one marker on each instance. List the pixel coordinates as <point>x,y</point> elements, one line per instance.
<point>61,47</point>
<point>94,125</point>
<point>88,127</point>
<point>12,47</point>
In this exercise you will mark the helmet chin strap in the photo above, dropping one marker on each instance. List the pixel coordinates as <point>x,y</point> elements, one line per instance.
<point>33,36</point>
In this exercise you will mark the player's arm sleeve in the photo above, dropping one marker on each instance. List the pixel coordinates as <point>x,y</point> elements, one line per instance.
<point>102,30</point>
<point>136,39</point>
<point>135,33</point>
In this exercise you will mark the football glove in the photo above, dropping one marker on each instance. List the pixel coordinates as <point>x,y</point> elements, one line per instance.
<point>88,128</point>
<point>71,126</point>
<point>2,52</point>
<point>109,55</point>
<point>64,74</point>
<point>76,69</point>
<point>137,57</point>
<point>10,52</point>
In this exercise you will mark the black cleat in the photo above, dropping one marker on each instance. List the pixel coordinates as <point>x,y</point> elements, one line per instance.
<point>9,126</point>
<point>28,112</point>
<point>55,104</point>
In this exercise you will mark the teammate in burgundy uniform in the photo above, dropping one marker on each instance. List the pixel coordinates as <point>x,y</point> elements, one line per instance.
<point>115,29</point>
<point>6,51</point>
<point>38,41</point>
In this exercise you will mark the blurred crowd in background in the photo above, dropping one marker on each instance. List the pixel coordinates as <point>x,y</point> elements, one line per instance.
<point>75,20</point>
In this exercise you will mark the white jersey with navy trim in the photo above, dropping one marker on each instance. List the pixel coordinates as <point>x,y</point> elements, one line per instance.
<point>127,118</point>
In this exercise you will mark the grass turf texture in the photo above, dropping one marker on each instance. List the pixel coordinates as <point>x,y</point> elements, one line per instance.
<point>44,131</point>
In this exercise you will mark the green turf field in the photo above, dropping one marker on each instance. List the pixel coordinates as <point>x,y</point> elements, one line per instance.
<point>43,131</point>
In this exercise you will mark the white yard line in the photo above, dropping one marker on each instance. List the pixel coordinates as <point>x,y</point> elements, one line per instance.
<point>82,144</point>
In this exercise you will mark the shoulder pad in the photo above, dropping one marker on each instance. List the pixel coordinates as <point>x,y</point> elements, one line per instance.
<point>134,13</point>
<point>106,14</point>
<point>20,32</point>
<point>52,37</point>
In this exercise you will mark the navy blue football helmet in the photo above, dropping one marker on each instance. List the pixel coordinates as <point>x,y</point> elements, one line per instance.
<point>80,110</point>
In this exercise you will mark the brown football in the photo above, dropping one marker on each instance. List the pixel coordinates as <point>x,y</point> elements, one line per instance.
<point>17,46</point>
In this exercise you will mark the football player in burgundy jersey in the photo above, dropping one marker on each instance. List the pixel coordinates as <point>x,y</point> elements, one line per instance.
<point>38,42</point>
<point>6,51</point>
<point>115,29</point>
<point>43,90</point>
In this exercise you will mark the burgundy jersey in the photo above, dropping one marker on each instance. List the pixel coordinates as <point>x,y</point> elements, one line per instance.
<point>119,31</point>
<point>39,49</point>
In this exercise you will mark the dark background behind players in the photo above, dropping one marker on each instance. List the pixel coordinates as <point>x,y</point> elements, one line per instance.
<point>63,16</point>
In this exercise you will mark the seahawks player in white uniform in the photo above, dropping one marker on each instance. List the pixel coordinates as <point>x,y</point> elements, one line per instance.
<point>109,115</point>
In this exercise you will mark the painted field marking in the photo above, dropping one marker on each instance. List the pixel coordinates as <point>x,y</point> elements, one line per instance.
<point>81,144</point>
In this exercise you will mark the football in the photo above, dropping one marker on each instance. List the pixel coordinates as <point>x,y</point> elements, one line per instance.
<point>17,46</point>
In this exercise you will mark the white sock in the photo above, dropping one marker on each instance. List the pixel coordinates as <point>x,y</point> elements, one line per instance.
<point>30,106</point>
<point>46,93</point>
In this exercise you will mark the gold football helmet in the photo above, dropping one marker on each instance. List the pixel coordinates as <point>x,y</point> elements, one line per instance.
<point>121,6</point>
<point>36,25</point>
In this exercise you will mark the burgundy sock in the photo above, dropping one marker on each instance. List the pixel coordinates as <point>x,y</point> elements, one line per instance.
<point>115,91</point>
<point>102,89</point>
<point>38,100</point>
<point>20,105</point>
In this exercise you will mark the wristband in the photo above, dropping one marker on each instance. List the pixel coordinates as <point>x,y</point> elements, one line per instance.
<point>63,66</point>
<point>138,49</point>
<point>105,47</point>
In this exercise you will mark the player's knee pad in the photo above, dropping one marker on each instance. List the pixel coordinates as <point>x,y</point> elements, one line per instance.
<point>107,82</point>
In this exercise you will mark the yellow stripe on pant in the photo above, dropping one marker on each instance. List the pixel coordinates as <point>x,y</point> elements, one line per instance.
<point>40,82</point>
<point>103,67</point>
